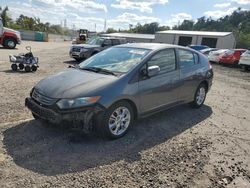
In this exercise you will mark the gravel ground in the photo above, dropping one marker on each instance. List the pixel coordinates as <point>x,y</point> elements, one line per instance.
<point>181,147</point>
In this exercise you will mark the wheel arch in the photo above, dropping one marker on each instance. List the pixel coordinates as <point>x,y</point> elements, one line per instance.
<point>205,82</point>
<point>133,105</point>
<point>9,37</point>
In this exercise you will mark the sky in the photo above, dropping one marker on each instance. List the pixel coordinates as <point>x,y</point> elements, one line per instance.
<point>91,14</point>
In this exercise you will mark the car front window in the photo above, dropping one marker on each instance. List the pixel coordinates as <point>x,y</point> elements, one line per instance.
<point>95,41</point>
<point>119,60</point>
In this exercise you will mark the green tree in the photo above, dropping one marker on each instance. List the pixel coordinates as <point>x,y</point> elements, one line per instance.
<point>5,17</point>
<point>186,25</point>
<point>111,30</point>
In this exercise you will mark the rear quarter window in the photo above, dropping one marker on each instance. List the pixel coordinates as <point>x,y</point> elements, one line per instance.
<point>187,58</point>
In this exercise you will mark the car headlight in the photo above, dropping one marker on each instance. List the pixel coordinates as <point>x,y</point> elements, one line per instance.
<point>76,103</point>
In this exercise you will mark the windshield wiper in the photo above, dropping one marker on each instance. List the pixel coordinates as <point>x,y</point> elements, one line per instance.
<point>98,70</point>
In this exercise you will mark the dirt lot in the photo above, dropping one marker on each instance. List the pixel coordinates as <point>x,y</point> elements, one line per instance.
<point>181,147</point>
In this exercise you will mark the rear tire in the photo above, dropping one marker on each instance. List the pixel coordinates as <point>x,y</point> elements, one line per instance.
<point>200,96</point>
<point>116,121</point>
<point>14,67</point>
<point>27,68</point>
<point>34,68</point>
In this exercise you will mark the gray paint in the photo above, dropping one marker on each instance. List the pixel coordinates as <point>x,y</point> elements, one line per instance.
<point>178,86</point>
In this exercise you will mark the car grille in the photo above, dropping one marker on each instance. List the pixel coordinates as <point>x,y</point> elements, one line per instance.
<point>76,49</point>
<point>40,111</point>
<point>42,99</point>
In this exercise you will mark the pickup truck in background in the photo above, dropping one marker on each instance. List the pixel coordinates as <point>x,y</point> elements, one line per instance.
<point>9,38</point>
<point>93,46</point>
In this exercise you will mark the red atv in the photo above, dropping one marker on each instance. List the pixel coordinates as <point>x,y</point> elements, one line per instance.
<point>9,38</point>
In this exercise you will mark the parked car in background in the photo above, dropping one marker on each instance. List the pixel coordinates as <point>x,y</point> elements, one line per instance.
<point>109,90</point>
<point>245,60</point>
<point>93,46</point>
<point>208,50</point>
<point>231,57</point>
<point>9,38</point>
<point>214,56</point>
<point>198,47</point>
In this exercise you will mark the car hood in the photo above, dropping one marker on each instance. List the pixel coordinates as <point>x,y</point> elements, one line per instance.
<point>5,29</point>
<point>74,83</point>
<point>86,46</point>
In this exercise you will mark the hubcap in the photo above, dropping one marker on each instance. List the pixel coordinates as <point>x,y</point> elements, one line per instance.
<point>11,44</point>
<point>119,121</point>
<point>201,95</point>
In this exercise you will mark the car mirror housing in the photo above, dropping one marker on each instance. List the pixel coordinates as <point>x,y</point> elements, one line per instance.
<point>153,70</point>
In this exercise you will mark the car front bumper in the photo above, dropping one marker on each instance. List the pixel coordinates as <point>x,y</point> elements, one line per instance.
<point>82,118</point>
<point>245,62</point>
<point>79,55</point>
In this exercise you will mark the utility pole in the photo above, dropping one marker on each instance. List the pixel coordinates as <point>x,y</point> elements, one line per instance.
<point>105,26</point>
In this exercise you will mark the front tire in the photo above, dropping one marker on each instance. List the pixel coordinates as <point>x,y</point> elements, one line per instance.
<point>116,121</point>
<point>10,43</point>
<point>200,96</point>
<point>21,66</point>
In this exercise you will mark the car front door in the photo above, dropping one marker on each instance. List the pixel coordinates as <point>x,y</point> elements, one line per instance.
<point>190,73</point>
<point>161,89</point>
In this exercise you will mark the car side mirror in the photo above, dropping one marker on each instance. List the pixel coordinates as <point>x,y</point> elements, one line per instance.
<point>153,70</point>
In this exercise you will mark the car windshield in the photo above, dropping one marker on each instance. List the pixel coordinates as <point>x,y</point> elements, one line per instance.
<point>95,41</point>
<point>118,59</point>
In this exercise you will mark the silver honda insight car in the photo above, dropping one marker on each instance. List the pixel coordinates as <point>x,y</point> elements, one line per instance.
<point>108,91</point>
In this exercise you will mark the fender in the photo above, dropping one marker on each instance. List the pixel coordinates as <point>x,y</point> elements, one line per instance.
<point>8,34</point>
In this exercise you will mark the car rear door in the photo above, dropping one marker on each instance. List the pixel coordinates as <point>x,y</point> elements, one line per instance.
<point>162,89</point>
<point>190,73</point>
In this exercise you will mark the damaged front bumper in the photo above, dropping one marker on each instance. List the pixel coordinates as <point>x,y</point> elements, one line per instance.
<point>82,118</point>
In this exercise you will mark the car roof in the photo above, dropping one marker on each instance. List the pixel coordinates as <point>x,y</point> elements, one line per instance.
<point>151,46</point>
<point>193,45</point>
<point>118,38</point>
<point>240,49</point>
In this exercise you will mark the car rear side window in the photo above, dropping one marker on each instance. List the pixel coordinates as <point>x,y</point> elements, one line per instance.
<point>165,59</point>
<point>187,58</point>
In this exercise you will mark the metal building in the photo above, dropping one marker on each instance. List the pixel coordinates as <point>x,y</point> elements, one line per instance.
<point>185,38</point>
<point>132,37</point>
